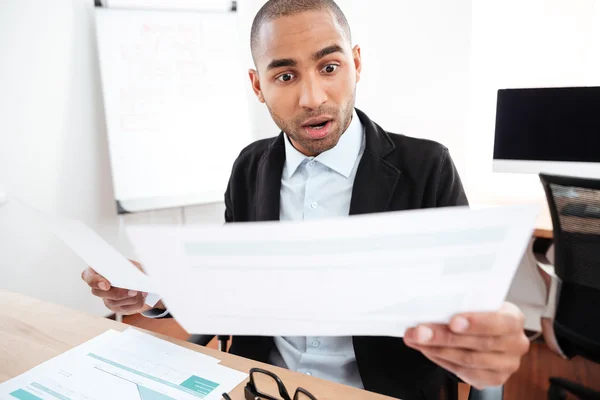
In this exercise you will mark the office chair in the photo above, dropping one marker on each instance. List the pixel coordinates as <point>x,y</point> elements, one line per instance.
<point>571,325</point>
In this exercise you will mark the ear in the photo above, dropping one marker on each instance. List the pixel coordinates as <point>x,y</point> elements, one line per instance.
<point>255,82</point>
<point>357,61</point>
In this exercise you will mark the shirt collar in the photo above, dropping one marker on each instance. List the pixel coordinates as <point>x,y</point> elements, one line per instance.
<point>341,158</point>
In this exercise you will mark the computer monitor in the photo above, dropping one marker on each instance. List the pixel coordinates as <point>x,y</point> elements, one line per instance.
<point>552,130</point>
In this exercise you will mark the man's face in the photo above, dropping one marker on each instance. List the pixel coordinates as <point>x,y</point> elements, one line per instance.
<point>307,74</point>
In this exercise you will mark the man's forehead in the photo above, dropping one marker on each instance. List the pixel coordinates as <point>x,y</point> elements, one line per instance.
<point>298,36</point>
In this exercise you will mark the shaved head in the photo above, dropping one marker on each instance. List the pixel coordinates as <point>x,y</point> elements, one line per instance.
<point>274,9</point>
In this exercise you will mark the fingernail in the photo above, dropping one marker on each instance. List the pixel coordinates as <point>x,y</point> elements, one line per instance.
<point>423,334</point>
<point>460,324</point>
<point>132,293</point>
<point>103,286</point>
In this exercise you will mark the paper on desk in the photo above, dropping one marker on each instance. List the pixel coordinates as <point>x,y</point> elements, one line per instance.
<point>365,275</point>
<point>162,350</point>
<point>126,365</point>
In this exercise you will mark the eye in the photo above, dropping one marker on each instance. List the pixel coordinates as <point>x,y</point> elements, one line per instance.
<point>330,68</point>
<point>285,77</point>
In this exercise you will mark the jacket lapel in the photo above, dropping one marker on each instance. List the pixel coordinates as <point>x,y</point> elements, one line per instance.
<point>376,179</point>
<point>268,184</point>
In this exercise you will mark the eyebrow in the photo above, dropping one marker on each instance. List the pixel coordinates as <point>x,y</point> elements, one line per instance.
<point>289,62</point>
<point>284,62</point>
<point>327,51</point>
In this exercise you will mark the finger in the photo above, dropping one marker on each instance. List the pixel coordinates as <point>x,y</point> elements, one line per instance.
<point>477,360</point>
<point>442,336</point>
<point>115,293</point>
<point>131,309</point>
<point>120,303</point>
<point>508,320</point>
<point>139,298</point>
<point>477,378</point>
<point>447,365</point>
<point>94,279</point>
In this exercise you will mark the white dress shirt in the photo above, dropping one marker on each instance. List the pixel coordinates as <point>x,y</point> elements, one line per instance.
<point>312,188</point>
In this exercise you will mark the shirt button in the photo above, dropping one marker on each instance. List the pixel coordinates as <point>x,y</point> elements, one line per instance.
<point>316,343</point>
<point>314,205</point>
<point>311,164</point>
<point>308,373</point>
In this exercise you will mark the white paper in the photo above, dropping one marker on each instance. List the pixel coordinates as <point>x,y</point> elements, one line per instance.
<point>101,256</point>
<point>3,196</point>
<point>161,350</point>
<point>365,275</point>
<point>128,365</point>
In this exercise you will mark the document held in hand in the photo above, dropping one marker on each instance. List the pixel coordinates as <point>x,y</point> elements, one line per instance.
<point>374,274</point>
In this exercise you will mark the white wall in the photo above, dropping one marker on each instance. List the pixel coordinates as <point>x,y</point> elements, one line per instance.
<point>416,62</point>
<point>515,43</point>
<point>53,150</point>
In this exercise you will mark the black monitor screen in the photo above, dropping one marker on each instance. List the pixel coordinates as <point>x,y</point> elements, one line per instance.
<point>551,124</point>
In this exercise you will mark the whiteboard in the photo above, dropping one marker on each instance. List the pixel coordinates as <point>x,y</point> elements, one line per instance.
<point>175,103</point>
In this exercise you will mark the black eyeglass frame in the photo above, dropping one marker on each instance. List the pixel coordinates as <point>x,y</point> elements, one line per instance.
<point>252,393</point>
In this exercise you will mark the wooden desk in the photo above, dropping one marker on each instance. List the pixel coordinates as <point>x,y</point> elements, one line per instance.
<point>32,331</point>
<point>543,233</point>
<point>543,224</point>
<point>531,380</point>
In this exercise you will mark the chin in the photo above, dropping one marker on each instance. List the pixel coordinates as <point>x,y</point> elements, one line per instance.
<point>319,146</point>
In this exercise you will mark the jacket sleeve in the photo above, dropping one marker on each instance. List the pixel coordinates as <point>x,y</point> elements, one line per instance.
<point>228,204</point>
<point>449,188</point>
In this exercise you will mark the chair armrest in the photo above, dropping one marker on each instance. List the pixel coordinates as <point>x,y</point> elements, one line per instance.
<point>553,283</point>
<point>492,393</point>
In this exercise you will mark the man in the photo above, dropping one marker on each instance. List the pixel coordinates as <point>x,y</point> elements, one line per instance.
<point>332,160</point>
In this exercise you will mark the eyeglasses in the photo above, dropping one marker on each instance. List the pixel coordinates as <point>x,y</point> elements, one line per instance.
<point>265,385</point>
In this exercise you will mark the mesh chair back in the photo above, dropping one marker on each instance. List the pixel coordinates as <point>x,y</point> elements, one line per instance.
<point>575,209</point>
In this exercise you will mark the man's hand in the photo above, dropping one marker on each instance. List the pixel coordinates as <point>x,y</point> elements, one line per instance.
<point>118,300</point>
<point>482,349</point>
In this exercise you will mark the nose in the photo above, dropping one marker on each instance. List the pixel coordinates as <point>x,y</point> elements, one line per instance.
<point>312,94</point>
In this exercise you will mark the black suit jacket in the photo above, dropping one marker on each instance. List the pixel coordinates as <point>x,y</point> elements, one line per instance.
<point>396,172</point>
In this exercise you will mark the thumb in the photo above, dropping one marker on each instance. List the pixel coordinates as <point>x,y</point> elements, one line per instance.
<point>95,280</point>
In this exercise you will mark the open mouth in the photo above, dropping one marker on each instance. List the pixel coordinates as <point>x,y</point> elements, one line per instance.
<point>318,131</point>
<point>318,128</point>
